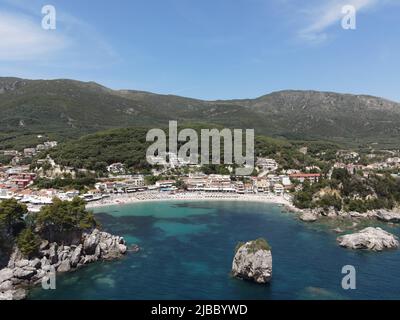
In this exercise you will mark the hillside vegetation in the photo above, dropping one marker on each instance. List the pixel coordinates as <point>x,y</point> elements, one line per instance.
<point>128,145</point>
<point>68,109</point>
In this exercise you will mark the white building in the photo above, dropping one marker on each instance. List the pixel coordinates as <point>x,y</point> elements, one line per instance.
<point>279,189</point>
<point>267,164</point>
<point>116,168</point>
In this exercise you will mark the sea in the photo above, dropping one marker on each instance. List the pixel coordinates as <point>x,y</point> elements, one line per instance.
<point>187,248</point>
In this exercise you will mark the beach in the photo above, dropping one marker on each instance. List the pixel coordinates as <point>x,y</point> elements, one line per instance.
<point>151,196</point>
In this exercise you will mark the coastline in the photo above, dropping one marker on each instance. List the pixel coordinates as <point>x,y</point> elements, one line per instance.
<point>305,215</point>
<point>125,199</point>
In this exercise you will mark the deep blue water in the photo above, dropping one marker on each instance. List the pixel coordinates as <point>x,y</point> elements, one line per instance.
<point>188,247</point>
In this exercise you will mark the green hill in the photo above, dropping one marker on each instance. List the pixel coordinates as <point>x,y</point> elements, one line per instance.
<point>65,109</point>
<point>128,145</point>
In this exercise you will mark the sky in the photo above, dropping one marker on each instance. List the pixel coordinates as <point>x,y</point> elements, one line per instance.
<point>207,49</point>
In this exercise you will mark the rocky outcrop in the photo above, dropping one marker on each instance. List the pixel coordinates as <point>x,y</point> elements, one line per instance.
<point>370,238</point>
<point>252,263</point>
<point>22,273</point>
<point>307,214</point>
<point>388,216</point>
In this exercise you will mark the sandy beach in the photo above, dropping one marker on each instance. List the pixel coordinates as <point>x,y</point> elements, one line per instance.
<point>151,196</point>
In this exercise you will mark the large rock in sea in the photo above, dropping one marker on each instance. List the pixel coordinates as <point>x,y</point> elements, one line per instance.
<point>370,238</point>
<point>253,261</point>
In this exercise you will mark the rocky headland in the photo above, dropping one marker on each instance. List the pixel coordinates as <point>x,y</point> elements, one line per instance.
<point>312,215</point>
<point>22,273</point>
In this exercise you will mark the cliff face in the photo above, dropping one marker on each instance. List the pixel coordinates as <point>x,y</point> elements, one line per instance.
<point>22,273</point>
<point>252,263</point>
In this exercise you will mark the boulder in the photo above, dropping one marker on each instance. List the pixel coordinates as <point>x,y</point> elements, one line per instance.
<point>76,255</point>
<point>91,241</point>
<point>18,294</point>
<point>308,217</point>
<point>253,262</point>
<point>374,239</point>
<point>6,285</point>
<point>24,273</point>
<point>35,263</point>
<point>22,263</point>
<point>97,252</point>
<point>45,262</point>
<point>89,259</point>
<point>122,248</point>
<point>6,274</point>
<point>15,256</point>
<point>52,253</point>
<point>65,266</point>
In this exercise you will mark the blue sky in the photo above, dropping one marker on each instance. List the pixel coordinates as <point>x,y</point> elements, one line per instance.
<point>209,49</point>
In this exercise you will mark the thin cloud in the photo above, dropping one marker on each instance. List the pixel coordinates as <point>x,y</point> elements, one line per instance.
<point>22,38</point>
<point>321,17</point>
<point>74,42</point>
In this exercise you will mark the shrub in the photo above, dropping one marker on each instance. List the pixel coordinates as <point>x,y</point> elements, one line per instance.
<point>255,245</point>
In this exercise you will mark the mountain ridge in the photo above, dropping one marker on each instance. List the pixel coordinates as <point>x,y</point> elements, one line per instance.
<point>65,109</point>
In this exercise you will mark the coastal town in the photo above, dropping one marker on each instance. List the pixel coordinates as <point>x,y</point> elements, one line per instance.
<point>176,179</point>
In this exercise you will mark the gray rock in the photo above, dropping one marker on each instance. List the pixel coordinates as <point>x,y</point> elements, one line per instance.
<point>6,274</point>
<point>388,216</point>
<point>122,248</point>
<point>35,263</point>
<point>38,276</point>
<point>97,252</point>
<point>65,266</point>
<point>63,255</point>
<point>370,238</point>
<point>89,259</point>
<point>22,263</point>
<point>23,273</point>
<point>255,266</point>
<point>53,256</point>
<point>91,241</point>
<point>18,294</point>
<point>45,262</point>
<point>6,285</point>
<point>308,217</point>
<point>76,255</point>
<point>15,256</point>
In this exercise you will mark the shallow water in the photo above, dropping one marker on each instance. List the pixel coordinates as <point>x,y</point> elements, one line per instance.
<point>188,247</point>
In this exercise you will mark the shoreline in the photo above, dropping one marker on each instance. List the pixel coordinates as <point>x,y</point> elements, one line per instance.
<point>305,215</point>
<point>126,199</point>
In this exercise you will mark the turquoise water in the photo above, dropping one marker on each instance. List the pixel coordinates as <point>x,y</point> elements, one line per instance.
<point>188,247</point>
